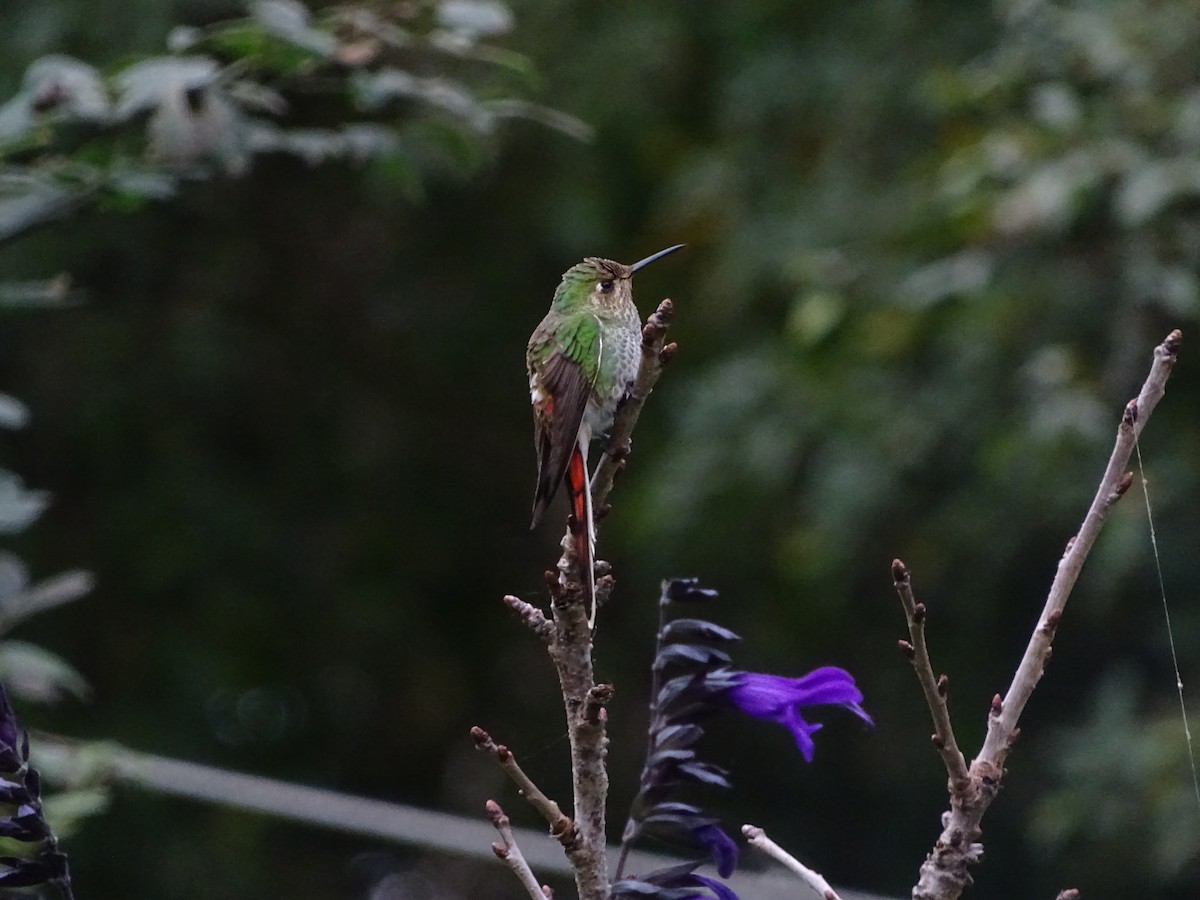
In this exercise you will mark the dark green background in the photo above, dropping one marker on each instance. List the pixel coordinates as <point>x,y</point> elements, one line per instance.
<point>289,433</point>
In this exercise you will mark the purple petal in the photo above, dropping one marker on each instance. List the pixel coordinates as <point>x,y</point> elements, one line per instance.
<point>720,890</point>
<point>721,848</point>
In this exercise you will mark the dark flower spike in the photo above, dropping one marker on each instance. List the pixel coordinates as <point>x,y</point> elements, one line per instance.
<point>20,787</point>
<point>692,679</point>
<point>780,699</point>
<point>691,674</point>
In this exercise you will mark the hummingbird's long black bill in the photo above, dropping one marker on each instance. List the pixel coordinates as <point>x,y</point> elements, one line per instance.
<point>652,258</point>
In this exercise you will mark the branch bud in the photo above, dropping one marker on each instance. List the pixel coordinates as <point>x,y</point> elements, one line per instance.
<point>1131,413</point>
<point>1051,624</point>
<point>907,649</point>
<point>899,571</point>
<point>495,813</point>
<point>997,705</point>
<point>1124,483</point>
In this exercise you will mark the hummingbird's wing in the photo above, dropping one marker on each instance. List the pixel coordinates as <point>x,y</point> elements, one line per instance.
<point>556,425</point>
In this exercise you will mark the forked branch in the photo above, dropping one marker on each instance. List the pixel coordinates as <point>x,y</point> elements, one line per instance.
<point>506,849</point>
<point>945,873</point>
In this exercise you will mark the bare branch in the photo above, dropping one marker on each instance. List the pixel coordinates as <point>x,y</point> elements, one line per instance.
<point>571,651</point>
<point>934,688</point>
<point>945,873</point>
<point>757,838</point>
<point>561,826</point>
<point>1113,485</point>
<point>508,851</point>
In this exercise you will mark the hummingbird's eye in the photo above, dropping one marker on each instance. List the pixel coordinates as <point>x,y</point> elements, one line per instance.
<point>605,286</point>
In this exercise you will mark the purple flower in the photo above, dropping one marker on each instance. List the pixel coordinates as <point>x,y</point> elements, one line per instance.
<point>781,699</point>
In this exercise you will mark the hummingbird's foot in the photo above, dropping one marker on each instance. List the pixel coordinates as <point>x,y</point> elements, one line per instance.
<point>604,587</point>
<point>550,576</point>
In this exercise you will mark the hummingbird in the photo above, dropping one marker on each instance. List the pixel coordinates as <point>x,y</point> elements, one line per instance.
<point>582,359</point>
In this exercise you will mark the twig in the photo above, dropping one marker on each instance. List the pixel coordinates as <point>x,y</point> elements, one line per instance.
<point>1068,894</point>
<point>561,826</point>
<point>757,838</point>
<point>655,354</point>
<point>533,617</point>
<point>934,688</point>
<point>945,873</point>
<point>507,850</point>
<point>571,651</point>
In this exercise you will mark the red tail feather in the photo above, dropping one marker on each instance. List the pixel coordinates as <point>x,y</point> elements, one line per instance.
<point>580,495</point>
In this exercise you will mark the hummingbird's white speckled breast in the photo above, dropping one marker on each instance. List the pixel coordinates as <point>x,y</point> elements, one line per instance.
<point>621,356</point>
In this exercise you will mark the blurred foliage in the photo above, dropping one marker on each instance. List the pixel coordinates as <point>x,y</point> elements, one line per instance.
<point>396,87</point>
<point>930,248</point>
<point>28,671</point>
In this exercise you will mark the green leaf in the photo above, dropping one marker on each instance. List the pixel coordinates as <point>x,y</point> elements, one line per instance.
<point>69,86</point>
<point>46,292</point>
<point>374,90</point>
<point>14,577</point>
<point>289,20</point>
<point>475,18</point>
<point>19,507</point>
<point>143,86</point>
<point>13,413</point>
<point>68,810</point>
<point>37,675</point>
<point>28,199</point>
